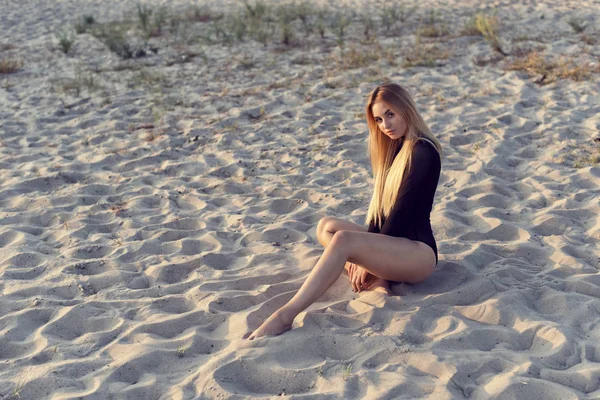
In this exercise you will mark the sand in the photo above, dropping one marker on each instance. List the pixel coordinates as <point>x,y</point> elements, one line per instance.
<point>153,210</point>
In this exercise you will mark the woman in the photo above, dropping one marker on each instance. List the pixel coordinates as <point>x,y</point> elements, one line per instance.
<point>398,244</point>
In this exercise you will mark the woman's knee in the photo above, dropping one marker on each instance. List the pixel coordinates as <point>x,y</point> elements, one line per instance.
<point>324,224</point>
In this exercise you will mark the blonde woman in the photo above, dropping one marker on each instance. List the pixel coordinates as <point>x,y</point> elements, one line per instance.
<point>398,244</point>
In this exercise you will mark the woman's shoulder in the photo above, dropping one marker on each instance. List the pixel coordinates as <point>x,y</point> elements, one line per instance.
<point>424,146</point>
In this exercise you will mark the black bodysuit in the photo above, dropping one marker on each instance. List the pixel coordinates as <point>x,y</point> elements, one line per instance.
<point>409,217</point>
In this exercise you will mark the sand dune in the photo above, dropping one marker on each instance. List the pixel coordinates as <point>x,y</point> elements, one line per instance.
<point>155,209</point>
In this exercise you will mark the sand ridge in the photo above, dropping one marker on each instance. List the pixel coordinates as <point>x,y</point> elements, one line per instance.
<point>146,226</point>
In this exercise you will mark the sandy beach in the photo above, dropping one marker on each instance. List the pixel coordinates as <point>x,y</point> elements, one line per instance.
<point>164,166</point>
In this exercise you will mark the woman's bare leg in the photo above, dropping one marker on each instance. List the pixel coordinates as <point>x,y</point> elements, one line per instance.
<point>328,226</point>
<point>391,258</point>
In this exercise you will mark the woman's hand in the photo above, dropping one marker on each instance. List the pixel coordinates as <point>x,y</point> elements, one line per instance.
<point>358,277</point>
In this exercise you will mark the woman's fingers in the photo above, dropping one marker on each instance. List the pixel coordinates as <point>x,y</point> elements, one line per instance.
<point>357,279</point>
<point>355,286</point>
<point>362,280</point>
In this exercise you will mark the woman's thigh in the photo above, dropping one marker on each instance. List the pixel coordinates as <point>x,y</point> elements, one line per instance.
<point>388,257</point>
<point>328,226</point>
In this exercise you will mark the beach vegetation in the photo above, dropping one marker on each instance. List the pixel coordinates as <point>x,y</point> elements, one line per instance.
<point>160,19</point>
<point>66,39</point>
<point>369,29</point>
<point>590,39</point>
<point>422,55</point>
<point>548,71</point>
<point>577,24</point>
<point>247,61</point>
<point>144,13</point>
<point>112,35</point>
<point>16,393</point>
<point>118,208</point>
<point>84,24</point>
<point>470,27</point>
<point>320,24</point>
<point>222,33</point>
<point>346,371</point>
<point>78,83</point>
<point>119,45</point>
<point>180,351</point>
<point>151,21</point>
<point>263,36</point>
<point>179,30</point>
<point>305,14</point>
<point>238,27</point>
<point>258,10</point>
<point>356,57</point>
<point>432,27</point>
<point>587,160</point>
<point>338,24</point>
<point>200,14</point>
<point>286,14</point>
<point>389,16</point>
<point>487,25</point>
<point>7,46</point>
<point>145,78</point>
<point>319,370</point>
<point>10,65</point>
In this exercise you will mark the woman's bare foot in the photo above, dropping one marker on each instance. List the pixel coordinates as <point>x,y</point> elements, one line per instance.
<point>275,325</point>
<point>380,285</point>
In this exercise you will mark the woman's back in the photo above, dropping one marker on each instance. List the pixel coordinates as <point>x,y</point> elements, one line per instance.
<point>410,214</point>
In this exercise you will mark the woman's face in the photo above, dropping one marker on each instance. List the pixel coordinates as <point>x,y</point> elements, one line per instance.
<point>391,124</point>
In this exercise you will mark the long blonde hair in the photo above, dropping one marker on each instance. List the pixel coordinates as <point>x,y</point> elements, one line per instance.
<point>388,170</point>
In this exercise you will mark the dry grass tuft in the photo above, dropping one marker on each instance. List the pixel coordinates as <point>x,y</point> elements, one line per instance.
<point>432,27</point>
<point>201,14</point>
<point>549,71</point>
<point>424,56</point>
<point>356,57</point>
<point>470,28</point>
<point>488,27</point>
<point>7,46</point>
<point>590,39</point>
<point>587,160</point>
<point>8,66</point>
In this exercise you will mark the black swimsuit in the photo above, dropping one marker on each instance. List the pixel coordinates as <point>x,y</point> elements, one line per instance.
<point>409,217</point>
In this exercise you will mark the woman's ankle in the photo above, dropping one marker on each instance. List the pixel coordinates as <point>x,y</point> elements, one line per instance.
<point>286,314</point>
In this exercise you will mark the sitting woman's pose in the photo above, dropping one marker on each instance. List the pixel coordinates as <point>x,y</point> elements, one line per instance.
<point>398,244</point>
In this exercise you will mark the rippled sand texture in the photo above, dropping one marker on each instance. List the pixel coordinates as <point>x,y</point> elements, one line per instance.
<point>147,225</point>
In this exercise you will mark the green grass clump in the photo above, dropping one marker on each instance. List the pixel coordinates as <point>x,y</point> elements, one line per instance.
<point>432,27</point>
<point>112,35</point>
<point>78,83</point>
<point>66,40</point>
<point>151,21</point>
<point>338,24</point>
<point>84,24</point>
<point>119,45</point>
<point>200,14</point>
<point>144,13</point>
<point>286,14</point>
